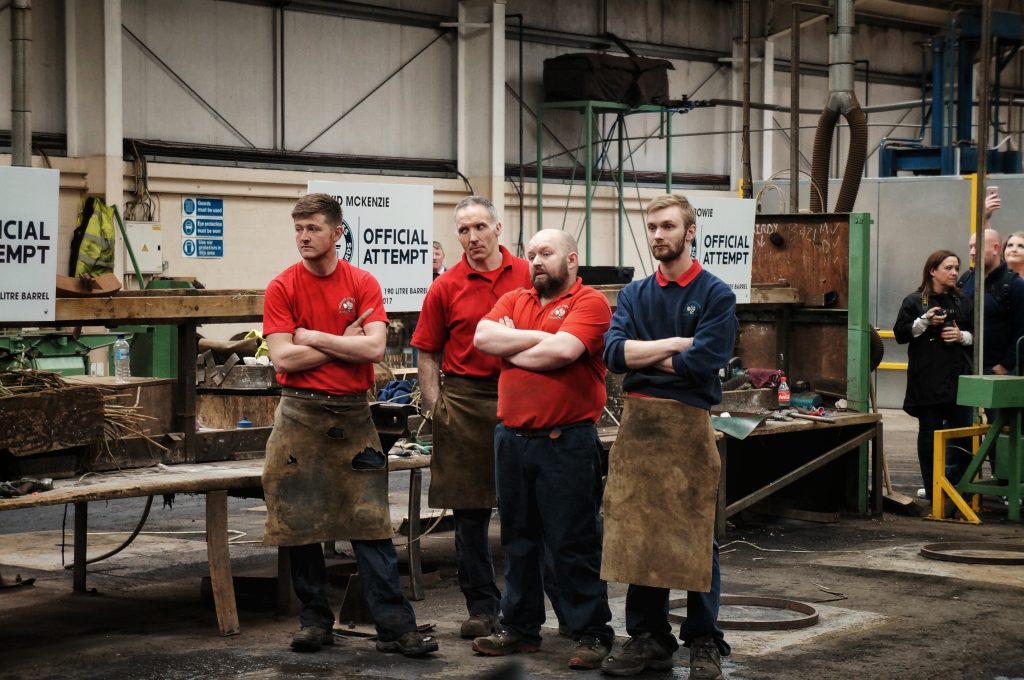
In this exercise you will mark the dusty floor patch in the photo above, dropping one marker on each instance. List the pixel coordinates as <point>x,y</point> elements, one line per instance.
<point>907,559</point>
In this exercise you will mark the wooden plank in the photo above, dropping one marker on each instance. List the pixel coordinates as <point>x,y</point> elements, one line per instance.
<point>169,306</point>
<point>220,562</point>
<point>189,478</point>
<point>49,420</point>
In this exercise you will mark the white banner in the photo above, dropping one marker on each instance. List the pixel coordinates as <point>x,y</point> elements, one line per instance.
<point>387,230</point>
<point>28,243</point>
<point>725,240</point>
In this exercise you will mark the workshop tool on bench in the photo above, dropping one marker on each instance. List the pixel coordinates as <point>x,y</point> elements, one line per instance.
<point>737,427</point>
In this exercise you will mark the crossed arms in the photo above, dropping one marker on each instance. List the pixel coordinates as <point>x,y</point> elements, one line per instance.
<point>528,349</point>
<point>305,349</point>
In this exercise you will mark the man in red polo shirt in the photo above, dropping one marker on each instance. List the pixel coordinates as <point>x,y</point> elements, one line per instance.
<point>463,403</point>
<point>325,476</point>
<point>548,457</point>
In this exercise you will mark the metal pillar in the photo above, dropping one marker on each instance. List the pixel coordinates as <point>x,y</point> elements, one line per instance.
<point>21,82</point>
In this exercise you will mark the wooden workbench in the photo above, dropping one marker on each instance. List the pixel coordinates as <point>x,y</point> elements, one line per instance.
<point>214,480</point>
<point>851,429</point>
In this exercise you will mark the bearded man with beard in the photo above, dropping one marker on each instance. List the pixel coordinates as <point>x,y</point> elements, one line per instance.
<point>551,392</point>
<point>670,334</point>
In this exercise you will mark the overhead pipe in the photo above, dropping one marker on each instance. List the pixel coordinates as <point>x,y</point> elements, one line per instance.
<point>21,82</point>
<point>748,178</point>
<point>794,101</point>
<point>842,101</point>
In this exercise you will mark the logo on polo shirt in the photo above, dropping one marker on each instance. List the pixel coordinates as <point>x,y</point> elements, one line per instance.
<point>692,309</point>
<point>559,312</point>
<point>347,306</point>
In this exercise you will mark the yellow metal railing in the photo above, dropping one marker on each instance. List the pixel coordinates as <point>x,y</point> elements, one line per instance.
<point>942,487</point>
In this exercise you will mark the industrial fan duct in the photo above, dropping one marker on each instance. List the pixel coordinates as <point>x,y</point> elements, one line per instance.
<point>842,101</point>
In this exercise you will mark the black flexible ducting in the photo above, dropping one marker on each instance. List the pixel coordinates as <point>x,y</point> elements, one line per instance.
<point>858,151</point>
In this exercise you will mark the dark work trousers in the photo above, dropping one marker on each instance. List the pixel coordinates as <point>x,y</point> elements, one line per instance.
<point>378,569</point>
<point>549,492</point>
<point>647,612</point>
<point>476,569</point>
<point>958,451</point>
<point>473,554</point>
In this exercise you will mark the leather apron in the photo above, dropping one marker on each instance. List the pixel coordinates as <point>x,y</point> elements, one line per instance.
<point>659,499</point>
<point>462,461</point>
<point>313,492</point>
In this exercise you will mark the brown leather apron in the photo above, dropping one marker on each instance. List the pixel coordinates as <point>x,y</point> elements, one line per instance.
<point>462,461</point>
<point>659,500</point>
<point>313,492</point>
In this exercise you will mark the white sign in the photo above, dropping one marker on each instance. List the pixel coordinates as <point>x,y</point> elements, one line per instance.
<point>28,243</point>
<point>202,227</point>
<point>725,240</point>
<point>387,230</point>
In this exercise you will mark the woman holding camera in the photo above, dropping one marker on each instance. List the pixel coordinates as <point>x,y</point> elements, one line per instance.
<point>936,320</point>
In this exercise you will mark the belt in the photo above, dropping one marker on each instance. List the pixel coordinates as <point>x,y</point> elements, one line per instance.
<point>549,432</point>
<point>317,394</point>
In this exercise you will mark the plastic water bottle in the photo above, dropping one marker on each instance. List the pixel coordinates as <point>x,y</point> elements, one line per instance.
<point>122,360</point>
<point>783,392</point>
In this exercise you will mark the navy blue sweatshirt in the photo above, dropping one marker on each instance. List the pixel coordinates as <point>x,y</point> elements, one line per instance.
<point>704,309</point>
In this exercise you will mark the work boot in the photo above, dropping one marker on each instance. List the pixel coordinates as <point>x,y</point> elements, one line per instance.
<point>640,653</point>
<point>311,639</point>
<point>504,642</point>
<point>413,643</point>
<point>705,659</point>
<point>478,625</point>
<point>588,654</point>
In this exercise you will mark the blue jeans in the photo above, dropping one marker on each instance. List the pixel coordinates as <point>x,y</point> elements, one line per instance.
<point>473,554</point>
<point>958,456</point>
<point>647,612</point>
<point>549,493</point>
<point>378,568</point>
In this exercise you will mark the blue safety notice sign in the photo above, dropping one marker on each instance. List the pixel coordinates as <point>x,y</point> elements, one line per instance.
<point>202,247</point>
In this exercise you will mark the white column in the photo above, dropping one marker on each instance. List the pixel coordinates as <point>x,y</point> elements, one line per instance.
<point>480,128</point>
<point>94,93</point>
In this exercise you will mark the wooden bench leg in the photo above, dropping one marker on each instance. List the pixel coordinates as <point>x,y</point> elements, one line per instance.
<point>413,545</point>
<point>220,562</point>
<point>81,545</point>
<point>287,600</point>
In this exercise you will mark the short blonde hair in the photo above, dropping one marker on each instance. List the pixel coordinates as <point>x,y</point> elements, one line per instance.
<point>673,201</point>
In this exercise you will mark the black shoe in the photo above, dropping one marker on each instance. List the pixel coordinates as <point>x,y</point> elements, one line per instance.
<point>311,639</point>
<point>504,642</point>
<point>413,643</point>
<point>478,625</point>
<point>589,653</point>
<point>705,659</point>
<point>639,654</point>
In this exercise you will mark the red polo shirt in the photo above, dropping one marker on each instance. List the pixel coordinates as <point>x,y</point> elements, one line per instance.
<point>683,280</point>
<point>573,393</point>
<point>455,303</point>
<point>297,298</point>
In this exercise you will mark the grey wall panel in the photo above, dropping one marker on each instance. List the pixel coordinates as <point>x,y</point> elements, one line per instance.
<point>915,217</point>
<point>222,50</point>
<point>333,63</point>
<point>47,70</point>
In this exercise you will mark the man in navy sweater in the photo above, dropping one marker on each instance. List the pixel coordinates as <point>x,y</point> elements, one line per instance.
<point>670,334</point>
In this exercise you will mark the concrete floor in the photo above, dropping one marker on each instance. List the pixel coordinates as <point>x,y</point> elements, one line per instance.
<point>885,612</point>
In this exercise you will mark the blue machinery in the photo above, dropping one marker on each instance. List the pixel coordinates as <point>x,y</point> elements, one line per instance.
<point>952,150</point>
